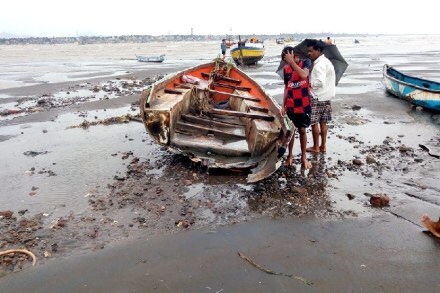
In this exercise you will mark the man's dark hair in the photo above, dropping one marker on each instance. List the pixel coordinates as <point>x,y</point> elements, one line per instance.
<point>315,44</point>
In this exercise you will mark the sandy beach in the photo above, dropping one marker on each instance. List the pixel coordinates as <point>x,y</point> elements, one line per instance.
<point>104,208</point>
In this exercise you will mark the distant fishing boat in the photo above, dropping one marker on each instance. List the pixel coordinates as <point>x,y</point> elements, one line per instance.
<point>157,59</point>
<point>279,41</point>
<point>218,116</point>
<point>247,53</point>
<point>418,91</point>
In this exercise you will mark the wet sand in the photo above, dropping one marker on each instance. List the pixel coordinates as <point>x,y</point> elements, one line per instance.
<point>103,191</point>
<point>372,255</point>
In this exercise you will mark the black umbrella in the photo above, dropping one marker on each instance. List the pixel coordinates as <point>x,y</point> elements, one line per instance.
<point>329,51</point>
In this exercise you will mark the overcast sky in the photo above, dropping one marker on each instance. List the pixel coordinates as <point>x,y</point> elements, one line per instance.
<point>51,18</point>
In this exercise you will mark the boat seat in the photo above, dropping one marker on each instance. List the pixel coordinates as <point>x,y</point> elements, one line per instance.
<point>208,144</point>
<point>261,132</point>
<point>213,130</point>
<point>165,101</point>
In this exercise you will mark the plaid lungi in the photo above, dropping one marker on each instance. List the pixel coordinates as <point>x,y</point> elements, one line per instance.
<point>321,111</point>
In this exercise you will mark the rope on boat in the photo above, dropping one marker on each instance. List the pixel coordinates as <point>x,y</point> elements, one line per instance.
<point>200,101</point>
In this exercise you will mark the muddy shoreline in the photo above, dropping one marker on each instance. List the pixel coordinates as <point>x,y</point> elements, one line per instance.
<point>373,150</point>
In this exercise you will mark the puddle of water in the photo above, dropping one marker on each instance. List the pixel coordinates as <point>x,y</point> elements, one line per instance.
<point>194,191</point>
<point>82,160</point>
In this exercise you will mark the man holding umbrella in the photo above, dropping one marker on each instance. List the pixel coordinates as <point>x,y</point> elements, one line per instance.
<point>322,86</point>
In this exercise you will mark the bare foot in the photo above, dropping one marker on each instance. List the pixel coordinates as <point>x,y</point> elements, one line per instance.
<point>306,164</point>
<point>433,227</point>
<point>288,162</point>
<point>322,149</point>
<point>312,150</point>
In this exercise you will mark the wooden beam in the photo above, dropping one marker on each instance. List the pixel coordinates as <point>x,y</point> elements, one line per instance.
<point>218,76</point>
<point>184,85</point>
<point>242,114</point>
<point>210,122</point>
<point>260,109</point>
<point>229,86</point>
<point>171,91</point>
<point>250,98</point>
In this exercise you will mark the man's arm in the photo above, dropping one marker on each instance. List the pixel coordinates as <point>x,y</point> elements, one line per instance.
<point>303,73</point>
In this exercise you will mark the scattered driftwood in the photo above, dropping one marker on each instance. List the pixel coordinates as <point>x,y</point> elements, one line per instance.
<point>272,272</point>
<point>425,148</point>
<point>379,200</point>
<point>109,121</point>
<point>24,251</point>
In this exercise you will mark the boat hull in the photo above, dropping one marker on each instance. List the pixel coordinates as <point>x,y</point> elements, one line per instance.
<point>417,91</point>
<point>248,54</point>
<point>220,120</point>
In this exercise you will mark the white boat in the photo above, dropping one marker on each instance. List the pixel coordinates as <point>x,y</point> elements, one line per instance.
<point>157,59</point>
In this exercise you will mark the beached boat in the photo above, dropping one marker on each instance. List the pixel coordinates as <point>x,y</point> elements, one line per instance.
<point>157,59</point>
<point>216,115</point>
<point>418,91</point>
<point>247,52</point>
<point>279,41</point>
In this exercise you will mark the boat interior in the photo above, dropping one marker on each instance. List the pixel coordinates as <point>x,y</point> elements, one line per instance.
<point>213,113</point>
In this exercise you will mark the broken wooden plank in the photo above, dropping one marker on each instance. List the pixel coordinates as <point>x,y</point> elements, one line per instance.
<point>171,91</point>
<point>200,129</point>
<point>184,85</point>
<point>242,114</point>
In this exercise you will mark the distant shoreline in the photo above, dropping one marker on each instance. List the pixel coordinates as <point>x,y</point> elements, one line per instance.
<point>10,39</point>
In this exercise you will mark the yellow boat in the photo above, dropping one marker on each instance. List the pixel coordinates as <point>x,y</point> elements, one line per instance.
<point>247,53</point>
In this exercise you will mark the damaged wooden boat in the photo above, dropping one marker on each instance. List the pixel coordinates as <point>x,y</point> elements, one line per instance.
<point>216,115</point>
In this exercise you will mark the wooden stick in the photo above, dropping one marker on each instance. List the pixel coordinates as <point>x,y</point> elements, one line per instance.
<point>221,77</point>
<point>250,98</point>
<point>261,268</point>
<point>236,87</point>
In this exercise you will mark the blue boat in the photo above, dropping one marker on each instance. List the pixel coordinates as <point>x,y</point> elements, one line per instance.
<point>418,91</point>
